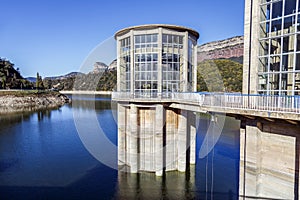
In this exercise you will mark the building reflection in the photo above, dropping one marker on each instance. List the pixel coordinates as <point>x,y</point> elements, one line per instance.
<point>172,185</point>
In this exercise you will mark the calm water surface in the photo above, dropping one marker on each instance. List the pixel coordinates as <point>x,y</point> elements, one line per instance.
<point>42,157</point>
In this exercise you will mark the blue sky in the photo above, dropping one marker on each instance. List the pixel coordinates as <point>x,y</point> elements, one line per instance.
<point>54,37</point>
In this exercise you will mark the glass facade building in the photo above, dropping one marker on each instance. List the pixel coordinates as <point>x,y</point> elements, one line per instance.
<point>156,60</point>
<point>274,40</point>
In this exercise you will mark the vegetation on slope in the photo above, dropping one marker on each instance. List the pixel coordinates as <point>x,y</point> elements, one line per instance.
<point>105,81</point>
<point>220,76</point>
<point>10,78</point>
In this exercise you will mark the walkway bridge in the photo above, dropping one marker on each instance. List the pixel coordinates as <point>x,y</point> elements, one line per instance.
<point>164,137</point>
<point>266,106</point>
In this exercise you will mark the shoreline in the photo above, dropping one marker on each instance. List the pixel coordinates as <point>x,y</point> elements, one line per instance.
<point>85,92</point>
<point>18,101</point>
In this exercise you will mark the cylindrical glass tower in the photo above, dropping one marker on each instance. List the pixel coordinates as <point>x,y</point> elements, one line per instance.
<point>156,60</point>
<point>153,62</point>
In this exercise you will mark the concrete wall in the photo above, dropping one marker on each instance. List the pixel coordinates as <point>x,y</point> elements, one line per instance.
<point>152,138</point>
<point>269,160</point>
<point>251,47</point>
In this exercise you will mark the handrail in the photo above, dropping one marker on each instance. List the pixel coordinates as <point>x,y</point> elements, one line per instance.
<point>286,104</point>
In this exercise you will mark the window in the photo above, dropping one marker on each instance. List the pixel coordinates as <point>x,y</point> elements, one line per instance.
<point>172,58</point>
<point>290,7</point>
<point>145,43</point>
<point>125,61</point>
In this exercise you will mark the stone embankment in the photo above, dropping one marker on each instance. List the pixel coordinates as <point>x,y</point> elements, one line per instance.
<point>15,102</point>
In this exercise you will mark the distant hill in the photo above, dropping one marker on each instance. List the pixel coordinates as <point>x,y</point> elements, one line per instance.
<point>112,66</point>
<point>95,80</point>
<point>31,79</point>
<point>99,67</point>
<point>10,78</point>
<point>69,75</point>
<point>231,48</point>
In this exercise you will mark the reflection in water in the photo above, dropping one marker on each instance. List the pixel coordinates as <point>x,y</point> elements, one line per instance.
<point>213,177</point>
<point>172,185</point>
<point>91,102</point>
<point>42,157</point>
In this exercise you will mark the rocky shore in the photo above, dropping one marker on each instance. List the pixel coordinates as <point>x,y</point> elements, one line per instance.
<point>16,102</point>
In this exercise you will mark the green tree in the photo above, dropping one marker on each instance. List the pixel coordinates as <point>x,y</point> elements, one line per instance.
<point>39,82</point>
<point>4,82</point>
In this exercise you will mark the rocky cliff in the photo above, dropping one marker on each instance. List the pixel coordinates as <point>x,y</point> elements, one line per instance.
<point>228,48</point>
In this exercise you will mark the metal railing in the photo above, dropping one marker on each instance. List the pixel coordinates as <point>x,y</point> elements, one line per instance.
<point>286,104</point>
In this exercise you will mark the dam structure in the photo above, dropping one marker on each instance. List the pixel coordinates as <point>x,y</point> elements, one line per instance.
<point>158,102</point>
<point>154,62</point>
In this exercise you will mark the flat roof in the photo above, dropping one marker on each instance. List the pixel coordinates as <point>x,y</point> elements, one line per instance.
<point>153,26</point>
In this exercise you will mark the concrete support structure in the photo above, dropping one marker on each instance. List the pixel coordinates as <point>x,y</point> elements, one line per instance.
<point>155,138</point>
<point>133,142</point>
<point>269,160</point>
<point>121,135</point>
<point>269,148</point>
<point>182,141</point>
<point>251,47</point>
<point>159,139</point>
<point>192,135</point>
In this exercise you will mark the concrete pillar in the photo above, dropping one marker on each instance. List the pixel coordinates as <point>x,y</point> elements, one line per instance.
<point>118,66</point>
<point>182,135</point>
<point>242,162</point>
<point>131,63</point>
<point>192,136</point>
<point>121,135</point>
<point>133,144</point>
<point>185,61</point>
<point>195,68</point>
<point>269,160</point>
<point>251,46</point>
<point>159,72</point>
<point>159,131</point>
<point>249,159</point>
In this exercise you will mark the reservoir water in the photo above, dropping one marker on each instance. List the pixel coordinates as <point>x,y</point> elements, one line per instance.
<point>42,157</point>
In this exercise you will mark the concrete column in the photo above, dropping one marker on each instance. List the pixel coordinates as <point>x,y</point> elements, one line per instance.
<point>118,66</point>
<point>248,160</point>
<point>242,162</point>
<point>195,68</point>
<point>133,148</point>
<point>121,135</point>
<point>192,136</point>
<point>182,135</point>
<point>132,62</point>
<point>185,60</point>
<point>159,127</point>
<point>159,74</point>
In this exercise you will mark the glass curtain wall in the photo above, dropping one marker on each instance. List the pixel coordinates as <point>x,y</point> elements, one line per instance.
<point>156,62</point>
<point>125,64</point>
<point>146,65</point>
<point>172,62</point>
<point>190,71</point>
<point>279,53</point>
